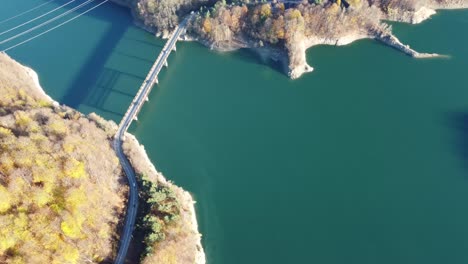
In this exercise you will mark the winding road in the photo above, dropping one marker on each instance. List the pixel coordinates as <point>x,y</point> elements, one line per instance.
<point>135,107</point>
<point>132,206</point>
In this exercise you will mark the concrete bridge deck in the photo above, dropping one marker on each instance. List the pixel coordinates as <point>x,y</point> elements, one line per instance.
<point>131,114</point>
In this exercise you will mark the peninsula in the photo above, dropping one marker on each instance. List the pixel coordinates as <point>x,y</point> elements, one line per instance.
<point>285,29</point>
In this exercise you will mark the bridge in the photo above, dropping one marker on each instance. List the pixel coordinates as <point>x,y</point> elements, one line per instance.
<point>131,115</point>
<point>152,78</point>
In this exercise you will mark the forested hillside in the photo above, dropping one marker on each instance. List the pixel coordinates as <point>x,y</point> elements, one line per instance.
<point>287,26</point>
<point>260,15</point>
<point>60,181</point>
<point>63,192</point>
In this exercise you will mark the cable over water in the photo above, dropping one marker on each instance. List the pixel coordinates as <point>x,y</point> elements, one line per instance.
<point>34,19</point>
<point>59,25</point>
<point>46,22</point>
<point>25,12</point>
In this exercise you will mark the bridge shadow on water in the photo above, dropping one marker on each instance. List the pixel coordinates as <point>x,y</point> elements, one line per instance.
<point>145,42</point>
<point>90,71</point>
<point>104,88</point>
<point>459,122</point>
<point>133,56</point>
<point>109,79</point>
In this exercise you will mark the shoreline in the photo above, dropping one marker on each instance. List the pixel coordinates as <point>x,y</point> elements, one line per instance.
<point>137,151</point>
<point>416,17</point>
<point>424,12</point>
<point>301,66</point>
<point>295,63</point>
<point>141,162</point>
<point>35,77</point>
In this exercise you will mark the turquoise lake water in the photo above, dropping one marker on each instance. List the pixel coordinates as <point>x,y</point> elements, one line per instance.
<point>363,161</point>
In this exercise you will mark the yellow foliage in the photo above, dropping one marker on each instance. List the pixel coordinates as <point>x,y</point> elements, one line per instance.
<point>354,2</point>
<point>23,160</point>
<point>70,254</point>
<point>279,29</point>
<point>50,241</point>
<point>21,221</point>
<point>75,169</point>
<point>6,164</point>
<point>43,103</point>
<point>4,132</point>
<point>44,176</point>
<point>12,230</point>
<point>34,128</point>
<point>281,6</point>
<point>294,14</point>
<point>38,138</point>
<point>169,259</point>
<point>16,187</point>
<point>8,97</point>
<point>75,198</point>
<point>104,232</point>
<point>265,11</point>
<point>22,209</point>
<point>22,119</point>
<point>5,200</point>
<point>6,242</point>
<point>58,128</point>
<point>41,197</point>
<point>56,207</point>
<point>40,161</point>
<point>50,209</point>
<point>333,9</point>
<point>17,260</point>
<point>207,25</point>
<point>71,228</point>
<point>98,258</point>
<point>68,148</point>
<point>22,94</point>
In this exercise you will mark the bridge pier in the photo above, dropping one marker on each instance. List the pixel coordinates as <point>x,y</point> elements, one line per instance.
<point>128,118</point>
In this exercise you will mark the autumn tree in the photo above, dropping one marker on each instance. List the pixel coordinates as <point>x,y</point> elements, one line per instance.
<point>58,205</point>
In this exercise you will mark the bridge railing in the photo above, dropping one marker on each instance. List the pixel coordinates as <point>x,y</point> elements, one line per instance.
<point>150,79</point>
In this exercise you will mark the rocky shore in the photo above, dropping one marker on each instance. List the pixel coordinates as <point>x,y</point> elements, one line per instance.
<point>297,62</point>
<point>424,12</point>
<point>293,56</point>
